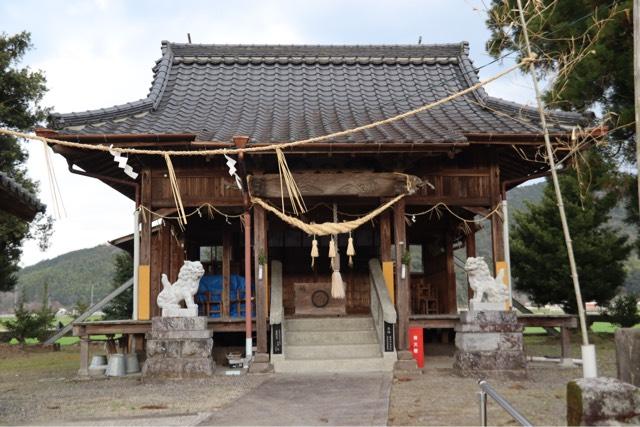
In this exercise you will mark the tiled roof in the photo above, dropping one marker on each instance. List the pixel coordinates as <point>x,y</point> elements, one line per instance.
<point>15,199</point>
<point>284,93</point>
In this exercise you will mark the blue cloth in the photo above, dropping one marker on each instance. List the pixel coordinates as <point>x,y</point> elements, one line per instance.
<point>213,284</point>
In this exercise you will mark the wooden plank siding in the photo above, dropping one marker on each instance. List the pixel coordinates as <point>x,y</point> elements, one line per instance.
<point>455,187</point>
<point>197,187</point>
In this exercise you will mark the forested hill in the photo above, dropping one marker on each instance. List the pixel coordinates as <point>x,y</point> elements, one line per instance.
<point>70,276</point>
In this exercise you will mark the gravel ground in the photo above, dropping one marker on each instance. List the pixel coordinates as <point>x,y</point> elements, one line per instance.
<point>439,397</point>
<point>38,387</point>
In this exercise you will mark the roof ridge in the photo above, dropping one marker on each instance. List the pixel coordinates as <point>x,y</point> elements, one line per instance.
<point>381,45</point>
<point>150,103</point>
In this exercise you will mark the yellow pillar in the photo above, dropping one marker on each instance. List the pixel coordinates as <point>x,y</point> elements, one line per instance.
<point>144,292</point>
<point>387,273</point>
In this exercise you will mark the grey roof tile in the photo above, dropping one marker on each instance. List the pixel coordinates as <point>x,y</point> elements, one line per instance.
<point>282,93</point>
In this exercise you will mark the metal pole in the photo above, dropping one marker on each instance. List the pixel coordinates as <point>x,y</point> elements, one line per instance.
<point>507,255</point>
<point>136,260</point>
<point>556,183</point>
<point>487,389</point>
<point>636,85</point>
<point>482,401</point>
<point>247,284</point>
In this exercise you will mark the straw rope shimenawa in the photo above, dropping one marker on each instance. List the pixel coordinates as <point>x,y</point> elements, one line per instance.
<point>272,147</point>
<point>326,228</point>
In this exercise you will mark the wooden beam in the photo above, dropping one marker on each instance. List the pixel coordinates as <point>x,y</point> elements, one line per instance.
<point>402,283</point>
<point>497,243</point>
<point>260,251</point>
<point>361,184</point>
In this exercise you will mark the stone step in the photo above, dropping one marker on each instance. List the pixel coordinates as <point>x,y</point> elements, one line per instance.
<point>329,324</point>
<point>371,364</point>
<point>327,352</point>
<point>360,336</point>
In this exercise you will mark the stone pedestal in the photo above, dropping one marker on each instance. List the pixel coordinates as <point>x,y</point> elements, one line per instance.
<point>179,347</point>
<point>489,344</point>
<point>628,355</point>
<point>602,402</point>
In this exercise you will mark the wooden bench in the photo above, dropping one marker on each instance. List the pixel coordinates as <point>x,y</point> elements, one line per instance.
<point>565,322</point>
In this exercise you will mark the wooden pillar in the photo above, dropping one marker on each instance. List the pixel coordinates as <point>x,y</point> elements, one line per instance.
<point>470,243</point>
<point>452,302</point>
<point>497,242</point>
<point>385,253</point>
<point>144,270</point>
<point>402,283</point>
<point>226,270</point>
<point>260,254</point>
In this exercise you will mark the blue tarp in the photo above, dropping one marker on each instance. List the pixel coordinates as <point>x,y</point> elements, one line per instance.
<point>213,284</point>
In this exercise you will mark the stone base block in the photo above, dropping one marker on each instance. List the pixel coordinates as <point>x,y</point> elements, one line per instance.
<point>490,341</point>
<point>180,312</point>
<point>491,364</point>
<point>164,324</point>
<point>260,368</point>
<point>489,344</point>
<point>602,401</point>
<point>178,367</point>
<point>179,347</point>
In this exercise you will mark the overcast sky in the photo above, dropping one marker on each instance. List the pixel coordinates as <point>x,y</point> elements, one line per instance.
<point>97,53</point>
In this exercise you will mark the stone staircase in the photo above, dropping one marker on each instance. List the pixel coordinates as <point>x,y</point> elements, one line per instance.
<point>331,344</point>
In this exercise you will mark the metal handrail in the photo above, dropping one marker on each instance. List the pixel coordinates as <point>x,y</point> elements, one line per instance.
<point>486,389</point>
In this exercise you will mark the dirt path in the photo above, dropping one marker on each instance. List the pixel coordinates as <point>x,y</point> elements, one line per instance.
<point>439,397</point>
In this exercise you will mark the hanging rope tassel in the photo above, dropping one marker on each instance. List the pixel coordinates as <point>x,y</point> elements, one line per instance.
<point>182,216</point>
<point>337,285</point>
<point>292,188</point>
<point>314,251</point>
<point>332,249</point>
<point>351,251</point>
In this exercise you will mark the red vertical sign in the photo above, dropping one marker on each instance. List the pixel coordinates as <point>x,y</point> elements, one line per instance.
<point>416,345</point>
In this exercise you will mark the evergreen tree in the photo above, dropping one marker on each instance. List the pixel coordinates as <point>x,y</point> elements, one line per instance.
<point>538,253</point>
<point>601,77</point>
<point>121,307</point>
<point>21,91</point>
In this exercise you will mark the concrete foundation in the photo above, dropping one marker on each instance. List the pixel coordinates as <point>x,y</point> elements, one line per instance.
<point>179,347</point>
<point>489,344</point>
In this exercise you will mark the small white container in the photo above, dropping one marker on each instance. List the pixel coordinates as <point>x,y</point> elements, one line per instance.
<point>131,361</point>
<point>116,367</point>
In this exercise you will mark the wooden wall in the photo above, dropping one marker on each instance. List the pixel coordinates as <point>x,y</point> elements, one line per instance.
<point>197,186</point>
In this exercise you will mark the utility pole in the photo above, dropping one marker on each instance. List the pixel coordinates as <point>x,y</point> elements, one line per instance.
<point>636,85</point>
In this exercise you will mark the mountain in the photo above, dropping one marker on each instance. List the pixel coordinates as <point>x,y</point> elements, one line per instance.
<point>70,276</point>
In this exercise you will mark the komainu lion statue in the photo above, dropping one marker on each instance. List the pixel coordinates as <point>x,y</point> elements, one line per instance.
<point>484,286</point>
<point>183,289</point>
